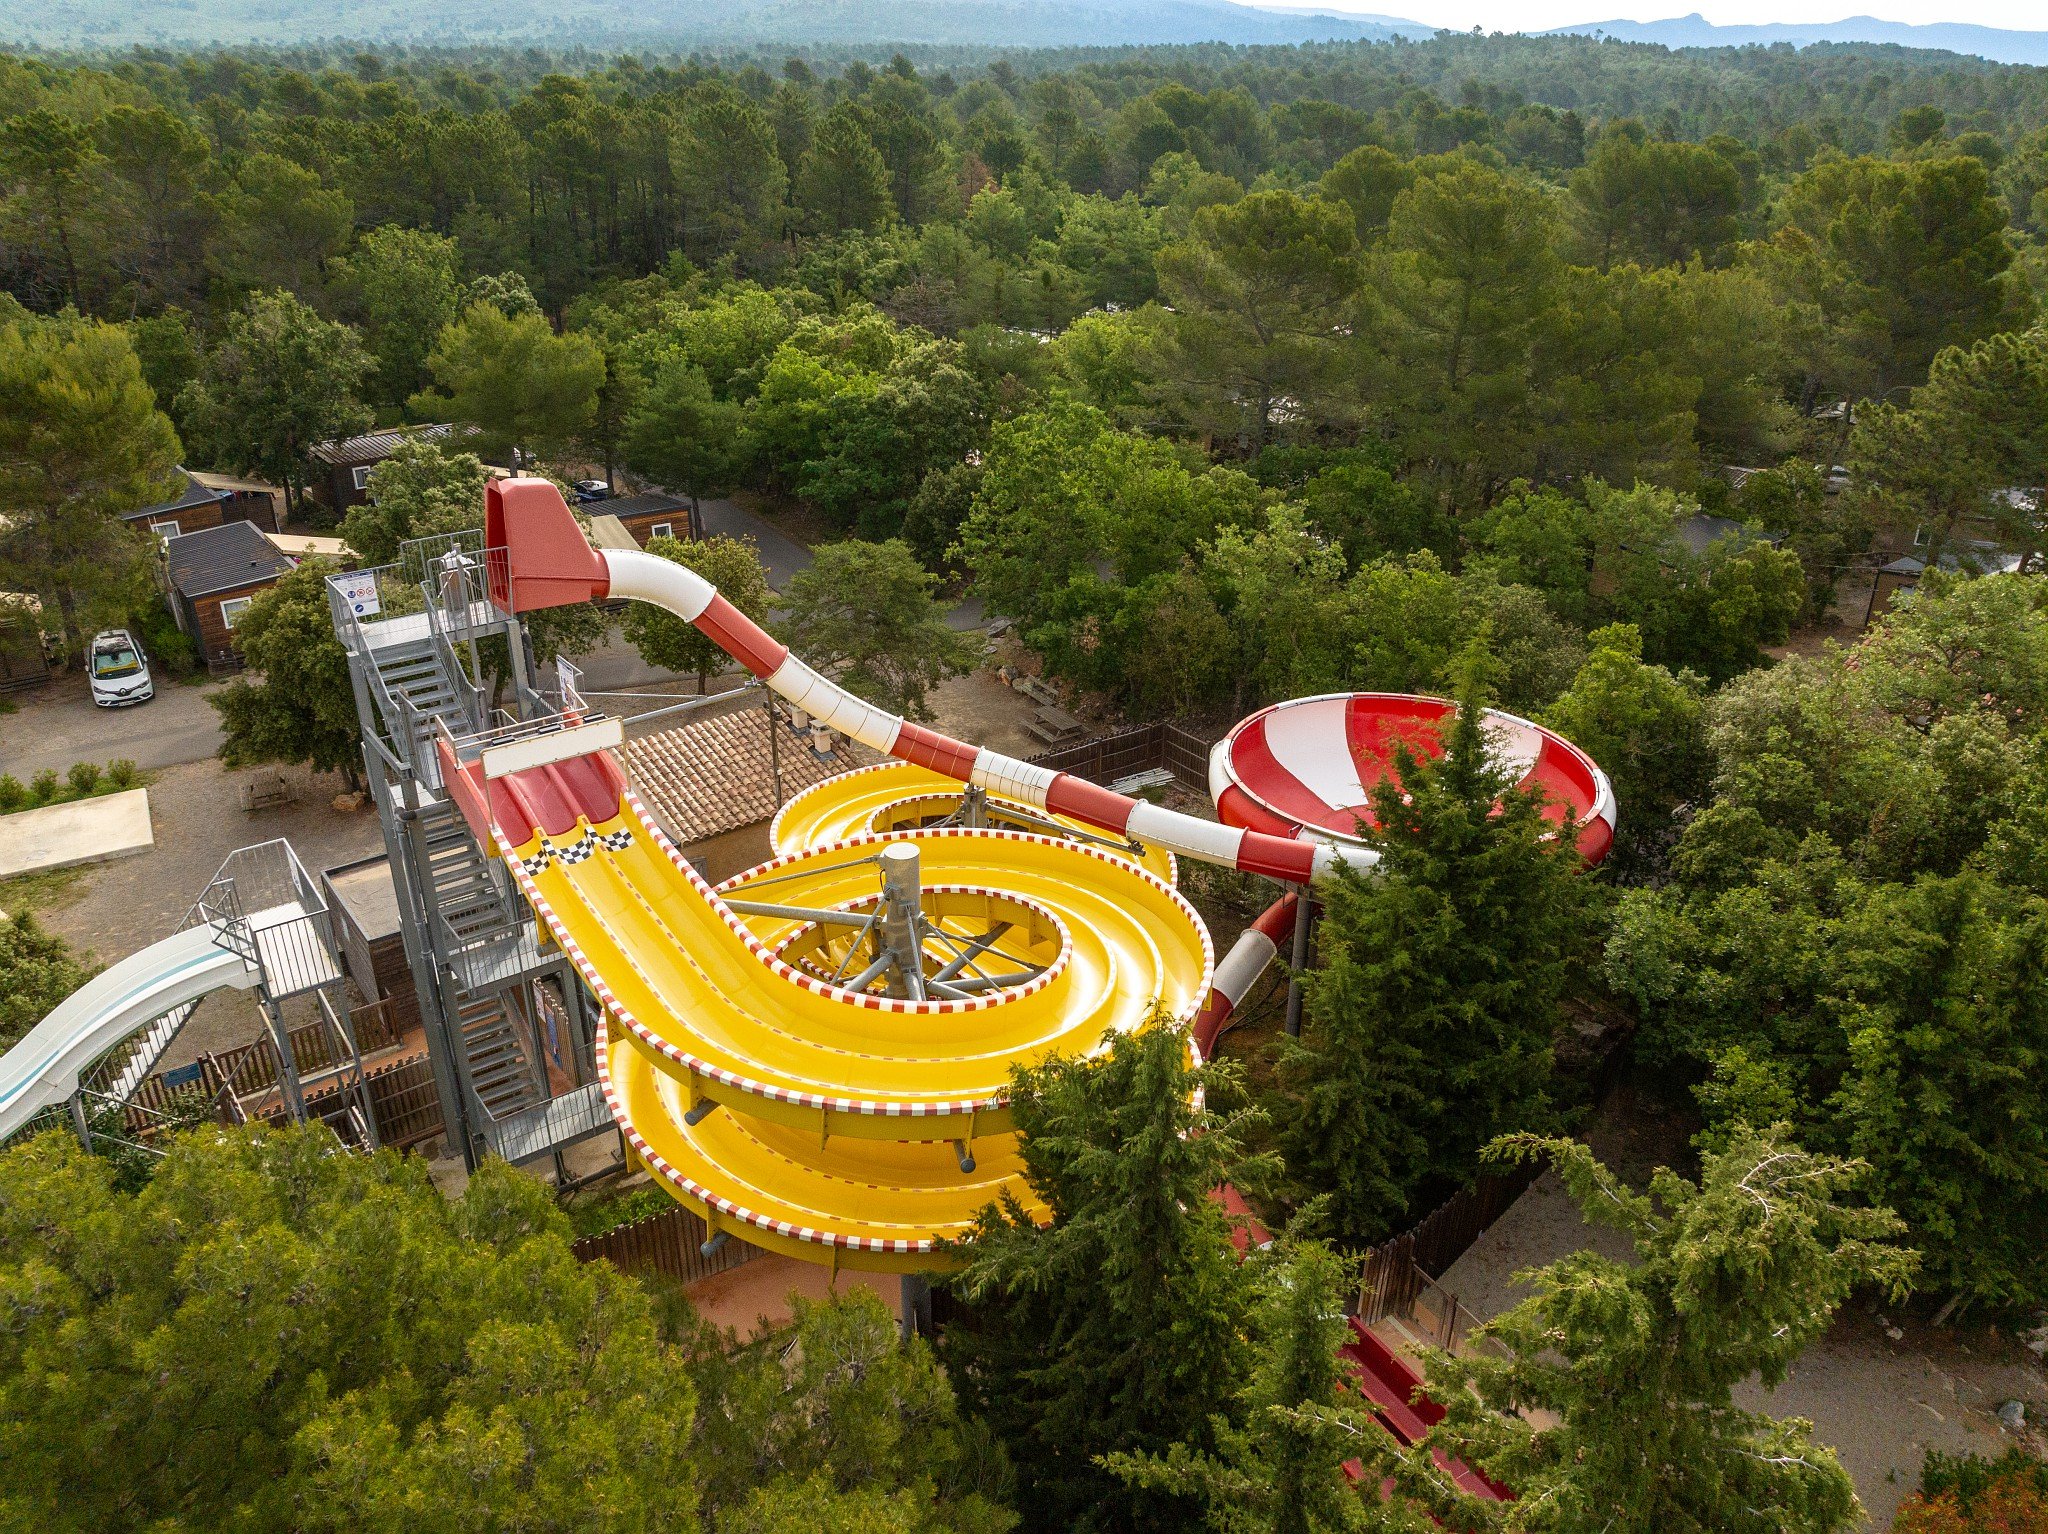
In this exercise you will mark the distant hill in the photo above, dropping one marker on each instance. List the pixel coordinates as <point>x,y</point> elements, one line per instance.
<point>1695,31</point>
<point>598,23</point>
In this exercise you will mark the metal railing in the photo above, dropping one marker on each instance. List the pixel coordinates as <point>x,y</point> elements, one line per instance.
<point>219,907</point>
<point>578,1114</point>
<point>442,581</point>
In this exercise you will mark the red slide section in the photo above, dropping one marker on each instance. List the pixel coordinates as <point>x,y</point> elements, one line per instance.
<point>1405,1409</point>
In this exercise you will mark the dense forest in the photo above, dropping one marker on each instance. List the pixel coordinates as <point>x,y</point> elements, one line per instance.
<point>1231,375</point>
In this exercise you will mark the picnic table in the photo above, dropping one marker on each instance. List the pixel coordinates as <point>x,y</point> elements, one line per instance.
<point>1055,727</point>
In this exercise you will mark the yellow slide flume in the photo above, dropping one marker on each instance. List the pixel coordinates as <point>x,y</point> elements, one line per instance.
<point>830,1123</point>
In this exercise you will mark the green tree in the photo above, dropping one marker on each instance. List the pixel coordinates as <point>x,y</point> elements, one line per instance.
<point>37,970</point>
<point>521,385</point>
<point>156,163</point>
<point>734,566</point>
<point>279,223</point>
<point>81,443</point>
<point>1118,1327</point>
<point>1899,1022</point>
<point>679,435</point>
<point>419,490</point>
<point>406,282</point>
<point>1634,1365</point>
<point>1655,201</point>
<point>1646,728</point>
<point>1281,1465</point>
<point>1825,530</point>
<point>304,707</point>
<point>1913,253</point>
<point>1064,495</point>
<point>728,168</point>
<point>1437,989</point>
<point>263,1352</point>
<point>1464,281</point>
<point>282,381</point>
<point>926,413</point>
<point>1260,290</point>
<point>1935,468</point>
<point>52,161</point>
<point>842,183</point>
<point>828,1420</point>
<point>865,611</point>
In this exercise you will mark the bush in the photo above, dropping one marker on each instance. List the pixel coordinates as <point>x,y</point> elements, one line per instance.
<point>12,795</point>
<point>121,772</point>
<point>170,648</point>
<point>42,788</point>
<point>85,778</point>
<point>1963,1494</point>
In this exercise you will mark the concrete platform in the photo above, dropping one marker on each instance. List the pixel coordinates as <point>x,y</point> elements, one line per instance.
<point>86,831</point>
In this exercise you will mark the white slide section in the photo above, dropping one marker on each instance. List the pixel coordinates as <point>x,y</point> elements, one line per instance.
<point>44,1067</point>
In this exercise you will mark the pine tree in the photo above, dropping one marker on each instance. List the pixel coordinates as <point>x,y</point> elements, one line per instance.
<point>1119,1326</point>
<point>1432,1011</point>
<point>1630,1367</point>
<point>1281,1466</point>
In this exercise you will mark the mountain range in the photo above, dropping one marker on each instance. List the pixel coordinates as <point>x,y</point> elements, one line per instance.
<point>615,23</point>
<point>1695,31</point>
<point>1020,24</point>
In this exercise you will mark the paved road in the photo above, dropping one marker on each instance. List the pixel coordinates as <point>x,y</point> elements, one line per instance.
<point>782,554</point>
<point>58,726</point>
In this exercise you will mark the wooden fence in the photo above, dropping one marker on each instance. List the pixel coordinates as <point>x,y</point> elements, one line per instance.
<point>667,1243</point>
<point>404,1102</point>
<point>1397,1273</point>
<point>1140,748</point>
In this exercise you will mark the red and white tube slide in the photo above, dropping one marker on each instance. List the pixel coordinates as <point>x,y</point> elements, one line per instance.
<point>1255,948</point>
<point>549,562</point>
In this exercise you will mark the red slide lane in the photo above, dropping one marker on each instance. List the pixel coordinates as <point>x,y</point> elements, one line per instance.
<point>1406,1410</point>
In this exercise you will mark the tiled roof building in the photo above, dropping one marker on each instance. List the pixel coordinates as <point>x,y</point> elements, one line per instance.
<point>710,778</point>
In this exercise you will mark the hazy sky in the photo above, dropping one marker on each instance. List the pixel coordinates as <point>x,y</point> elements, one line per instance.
<point>1535,15</point>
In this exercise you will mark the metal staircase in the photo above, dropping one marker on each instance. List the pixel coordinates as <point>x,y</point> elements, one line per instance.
<point>472,948</point>
<point>500,1073</point>
<point>146,1049</point>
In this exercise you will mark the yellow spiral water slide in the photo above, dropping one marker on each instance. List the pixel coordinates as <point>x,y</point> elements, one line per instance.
<point>749,1048</point>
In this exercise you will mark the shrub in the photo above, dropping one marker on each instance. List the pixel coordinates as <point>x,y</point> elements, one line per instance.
<point>12,795</point>
<point>85,778</point>
<point>1963,1494</point>
<point>42,788</point>
<point>121,772</point>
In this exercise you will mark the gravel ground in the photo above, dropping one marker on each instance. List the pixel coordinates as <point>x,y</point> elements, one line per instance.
<point>113,909</point>
<point>1881,1388</point>
<point>54,726</point>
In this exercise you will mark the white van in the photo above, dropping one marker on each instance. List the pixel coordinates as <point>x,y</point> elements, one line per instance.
<point>119,673</point>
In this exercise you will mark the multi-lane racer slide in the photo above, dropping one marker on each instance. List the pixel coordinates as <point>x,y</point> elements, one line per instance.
<point>815,1054</point>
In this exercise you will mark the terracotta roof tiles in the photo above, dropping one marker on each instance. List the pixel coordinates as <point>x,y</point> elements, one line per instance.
<point>711,776</point>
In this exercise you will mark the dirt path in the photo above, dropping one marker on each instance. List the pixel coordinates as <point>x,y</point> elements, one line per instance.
<point>1880,1388</point>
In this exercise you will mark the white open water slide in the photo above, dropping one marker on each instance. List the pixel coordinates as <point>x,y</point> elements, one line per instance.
<point>44,1068</point>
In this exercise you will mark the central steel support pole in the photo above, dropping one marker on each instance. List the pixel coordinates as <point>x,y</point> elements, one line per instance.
<point>916,1306</point>
<point>79,1123</point>
<point>903,917</point>
<point>974,807</point>
<point>1297,961</point>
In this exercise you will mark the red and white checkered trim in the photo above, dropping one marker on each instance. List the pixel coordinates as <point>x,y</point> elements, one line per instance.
<point>811,983</point>
<point>779,836</point>
<point>725,1207</point>
<point>1037,982</point>
<point>775,835</point>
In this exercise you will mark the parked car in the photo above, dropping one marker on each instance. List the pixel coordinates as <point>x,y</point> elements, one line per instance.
<point>118,670</point>
<point>588,490</point>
